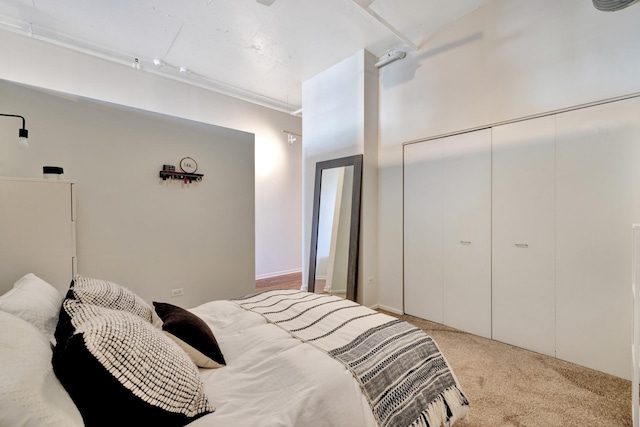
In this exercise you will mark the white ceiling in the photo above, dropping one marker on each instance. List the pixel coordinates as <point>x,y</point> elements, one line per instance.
<point>244,48</point>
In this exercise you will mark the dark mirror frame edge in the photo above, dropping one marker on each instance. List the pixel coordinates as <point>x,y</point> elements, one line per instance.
<point>354,238</point>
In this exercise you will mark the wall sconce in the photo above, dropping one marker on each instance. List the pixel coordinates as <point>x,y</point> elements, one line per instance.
<point>291,136</point>
<point>23,133</point>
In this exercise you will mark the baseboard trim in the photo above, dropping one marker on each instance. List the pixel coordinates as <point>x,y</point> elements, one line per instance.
<point>390,309</point>
<point>278,273</point>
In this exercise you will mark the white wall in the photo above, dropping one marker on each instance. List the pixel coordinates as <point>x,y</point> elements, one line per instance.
<point>340,119</point>
<point>133,228</point>
<point>278,164</point>
<point>506,60</point>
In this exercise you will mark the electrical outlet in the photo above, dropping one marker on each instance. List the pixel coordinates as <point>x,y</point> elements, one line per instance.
<point>177,292</point>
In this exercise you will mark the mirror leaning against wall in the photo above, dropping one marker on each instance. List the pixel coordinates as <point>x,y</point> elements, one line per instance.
<point>335,232</point>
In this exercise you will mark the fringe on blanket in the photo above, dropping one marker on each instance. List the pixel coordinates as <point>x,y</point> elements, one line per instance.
<point>436,414</point>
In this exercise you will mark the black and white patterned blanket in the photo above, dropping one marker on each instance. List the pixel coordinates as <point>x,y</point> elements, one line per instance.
<point>400,369</point>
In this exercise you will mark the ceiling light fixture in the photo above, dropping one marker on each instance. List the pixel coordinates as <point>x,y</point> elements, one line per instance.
<point>290,136</point>
<point>390,57</point>
<point>184,70</point>
<point>612,5</point>
<point>23,134</point>
<point>136,64</point>
<point>158,63</point>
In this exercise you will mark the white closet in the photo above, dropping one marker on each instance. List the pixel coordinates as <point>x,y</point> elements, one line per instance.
<point>423,255</point>
<point>466,240</point>
<point>555,276</point>
<point>448,231</point>
<point>37,231</point>
<point>523,233</point>
<point>598,196</point>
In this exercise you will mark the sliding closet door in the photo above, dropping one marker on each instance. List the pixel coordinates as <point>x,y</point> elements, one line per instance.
<point>598,198</point>
<point>423,230</point>
<point>467,232</point>
<point>523,232</point>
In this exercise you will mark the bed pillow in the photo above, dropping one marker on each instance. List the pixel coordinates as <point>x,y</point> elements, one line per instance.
<point>30,393</point>
<point>191,333</point>
<point>120,370</point>
<point>36,301</point>
<point>108,294</point>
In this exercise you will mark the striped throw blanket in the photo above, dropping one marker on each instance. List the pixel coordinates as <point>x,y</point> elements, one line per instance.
<point>400,369</point>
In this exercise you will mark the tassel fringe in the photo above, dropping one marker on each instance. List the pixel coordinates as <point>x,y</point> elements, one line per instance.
<point>436,413</point>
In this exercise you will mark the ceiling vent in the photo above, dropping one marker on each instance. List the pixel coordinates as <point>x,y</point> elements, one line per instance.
<point>612,5</point>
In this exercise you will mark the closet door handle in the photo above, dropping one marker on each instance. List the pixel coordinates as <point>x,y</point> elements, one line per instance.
<point>522,245</point>
<point>465,242</point>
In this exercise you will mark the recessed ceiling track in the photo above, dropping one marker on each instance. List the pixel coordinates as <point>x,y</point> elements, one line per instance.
<point>364,5</point>
<point>153,66</point>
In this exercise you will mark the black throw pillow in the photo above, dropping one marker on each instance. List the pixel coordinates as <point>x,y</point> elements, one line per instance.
<point>122,371</point>
<point>191,333</point>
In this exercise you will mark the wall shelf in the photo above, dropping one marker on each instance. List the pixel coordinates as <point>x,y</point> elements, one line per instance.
<point>186,177</point>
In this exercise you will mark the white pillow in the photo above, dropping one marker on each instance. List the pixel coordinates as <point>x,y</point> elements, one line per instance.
<point>30,395</point>
<point>34,300</point>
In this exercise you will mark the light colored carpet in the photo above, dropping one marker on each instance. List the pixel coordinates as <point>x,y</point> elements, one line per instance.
<point>511,387</point>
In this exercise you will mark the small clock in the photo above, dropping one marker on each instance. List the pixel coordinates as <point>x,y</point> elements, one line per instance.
<point>188,165</point>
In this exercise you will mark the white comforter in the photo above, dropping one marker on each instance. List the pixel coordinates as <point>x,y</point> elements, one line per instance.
<point>272,379</point>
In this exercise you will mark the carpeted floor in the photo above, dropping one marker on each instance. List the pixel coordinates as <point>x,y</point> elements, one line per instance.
<point>511,387</point>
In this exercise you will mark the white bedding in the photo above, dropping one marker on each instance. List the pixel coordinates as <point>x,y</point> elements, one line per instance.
<point>288,383</point>
<point>271,378</point>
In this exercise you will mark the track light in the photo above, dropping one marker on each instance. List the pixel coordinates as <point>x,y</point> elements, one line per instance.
<point>390,57</point>
<point>159,63</point>
<point>23,134</point>
<point>291,136</point>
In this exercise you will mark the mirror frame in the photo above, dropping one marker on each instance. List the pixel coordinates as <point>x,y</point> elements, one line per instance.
<point>354,231</point>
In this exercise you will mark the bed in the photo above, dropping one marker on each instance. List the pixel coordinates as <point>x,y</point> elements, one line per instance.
<point>102,356</point>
